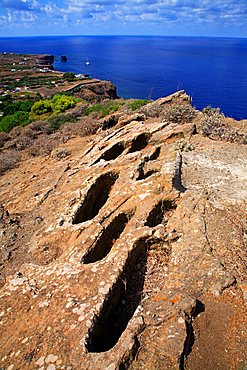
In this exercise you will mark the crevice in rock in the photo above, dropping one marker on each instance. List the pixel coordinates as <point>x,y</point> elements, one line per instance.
<point>155,154</point>
<point>142,174</point>
<point>112,153</point>
<point>127,360</point>
<point>110,122</point>
<point>190,335</point>
<point>95,199</point>
<point>161,213</point>
<point>121,303</point>
<point>139,142</point>
<point>107,239</point>
<point>177,178</point>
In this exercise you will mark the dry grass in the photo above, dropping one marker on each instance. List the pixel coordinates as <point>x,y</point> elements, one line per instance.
<point>152,110</point>
<point>39,138</point>
<point>41,127</point>
<point>43,146</point>
<point>84,127</point>
<point>213,126</point>
<point>8,160</point>
<point>178,113</point>
<point>15,132</point>
<point>3,138</point>
<point>61,153</point>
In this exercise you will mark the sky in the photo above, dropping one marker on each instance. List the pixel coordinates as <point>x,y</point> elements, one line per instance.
<point>227,18</point>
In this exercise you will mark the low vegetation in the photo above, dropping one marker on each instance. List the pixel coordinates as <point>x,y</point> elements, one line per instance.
<point>101,110</point>
<point>69,76</point>
<point>178,113</point>
<point>211,111</point>
<point>213,126</point>
<point>21,113</point>
<point>172,112</point>
<point>136,104</point>
<point>55,122</point>
<point>30,81</point>
<point>8,160</point>
<point>16,119</point>
<point>48,107</point>
<point>33,126</point>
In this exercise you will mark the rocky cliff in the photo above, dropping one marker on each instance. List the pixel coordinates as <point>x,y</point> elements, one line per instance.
<point>44,60</point>
<point>97,91</point>
<point>130,253</point>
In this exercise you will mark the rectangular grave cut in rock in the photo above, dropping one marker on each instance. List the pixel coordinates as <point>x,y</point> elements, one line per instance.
<point>96,198</point>
<point>120,305</point>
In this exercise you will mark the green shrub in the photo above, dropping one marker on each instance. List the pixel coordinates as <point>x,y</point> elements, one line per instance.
<point>41,107</point>
<point>26,105</point>
<point>137,104</point>
<point>60,103</point>
<point>16,119</point>
<point>9,107</point>
<point>103,109</point>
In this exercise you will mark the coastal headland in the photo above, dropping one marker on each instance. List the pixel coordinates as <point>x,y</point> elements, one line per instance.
<point>123,231</point>
<point>35,74</point>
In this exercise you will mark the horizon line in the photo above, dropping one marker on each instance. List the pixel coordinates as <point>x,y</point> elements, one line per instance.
<point>123,35</point>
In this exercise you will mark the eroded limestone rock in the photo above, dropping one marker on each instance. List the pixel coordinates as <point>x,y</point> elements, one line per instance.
<point>134,249</point>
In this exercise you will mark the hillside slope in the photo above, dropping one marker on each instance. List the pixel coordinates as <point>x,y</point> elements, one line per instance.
<point>130,251</point>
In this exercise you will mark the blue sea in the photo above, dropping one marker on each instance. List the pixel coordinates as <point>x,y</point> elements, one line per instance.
<point>212,70</point>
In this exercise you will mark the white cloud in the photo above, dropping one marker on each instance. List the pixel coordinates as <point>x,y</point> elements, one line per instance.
<point>167,11</point>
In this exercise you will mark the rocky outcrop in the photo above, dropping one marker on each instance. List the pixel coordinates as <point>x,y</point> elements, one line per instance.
<point>98,91</point>
<point>44,61</point>
<point>131,253</point>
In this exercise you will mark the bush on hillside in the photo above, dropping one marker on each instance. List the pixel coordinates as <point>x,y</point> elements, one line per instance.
<point>178,113</point>
<point>17,119</point>
<point>61,153</point>
<point>56,122</point>
<point>43,146</point>
<point>60,103</point>
<point>210,111</point>
<point>3,138</point>
<point>214,126</point>
<point>40,127</point>
<point>9,107</point>
<point>8,160</point>
<point>42,109</point>
<point>85,127</point>
<point>15,132</point>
